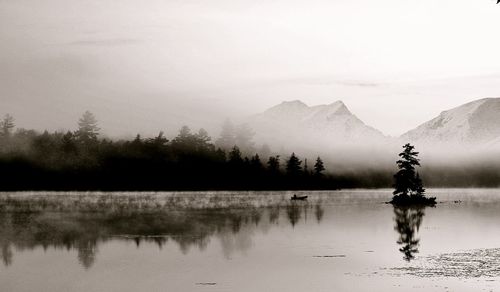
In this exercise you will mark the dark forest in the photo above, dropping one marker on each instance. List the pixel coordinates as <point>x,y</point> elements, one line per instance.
<point>81,160</point>
<point>85,160</point>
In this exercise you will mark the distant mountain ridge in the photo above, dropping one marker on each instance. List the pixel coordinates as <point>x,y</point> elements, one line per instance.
<point>473,123</point>
<point>292,120</point>
<point>476,122</point>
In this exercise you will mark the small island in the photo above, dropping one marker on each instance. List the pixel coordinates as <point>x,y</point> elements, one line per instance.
<point>408,187</point>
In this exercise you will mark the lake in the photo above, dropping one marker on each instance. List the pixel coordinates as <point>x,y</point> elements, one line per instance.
<point>248,241</point>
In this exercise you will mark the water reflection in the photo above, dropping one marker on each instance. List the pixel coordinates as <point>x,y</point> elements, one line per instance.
<point>319,212</point>
<point>234,228</point>
<point>407,223</point>
<point>87,252</point>
<point>85,231</point>
<point>293,212</point>
<point>296,211</point>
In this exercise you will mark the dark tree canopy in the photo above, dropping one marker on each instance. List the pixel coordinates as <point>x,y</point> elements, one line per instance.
<point>273,164</point>
<point>255,162</point>
<point>407,181</point>
<point>68,143</point>
<point>293,165</point>
<point>235,156</point>
<point>157,142</point>
<point>81,160</point>
<point>306,167</point>
<point>319,167</point>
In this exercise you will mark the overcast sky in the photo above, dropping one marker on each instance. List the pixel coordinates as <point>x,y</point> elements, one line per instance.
<point>151,65</point>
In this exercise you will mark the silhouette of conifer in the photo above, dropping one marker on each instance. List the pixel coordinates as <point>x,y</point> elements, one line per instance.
<point>293,165</point>
<point>319,167</point>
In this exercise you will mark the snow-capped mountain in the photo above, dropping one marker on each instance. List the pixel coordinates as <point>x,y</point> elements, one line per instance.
<point>294,120</point>
<point>474,123</point>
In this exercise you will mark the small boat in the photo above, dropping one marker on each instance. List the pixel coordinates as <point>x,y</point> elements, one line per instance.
<point>301,198</point>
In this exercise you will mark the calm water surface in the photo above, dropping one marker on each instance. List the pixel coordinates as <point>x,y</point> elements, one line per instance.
<point>248,241</point>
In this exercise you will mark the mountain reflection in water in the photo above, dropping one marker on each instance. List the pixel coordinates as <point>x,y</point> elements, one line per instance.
<point>85,231</point>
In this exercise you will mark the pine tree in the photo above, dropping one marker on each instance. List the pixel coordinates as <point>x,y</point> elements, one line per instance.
<point>319,167</point>
<point>293,165</point>
<point>220,155</point>
<point>273,164</point>
<point>407,181</point>
<point>184,134</point>
<point>203,136</point>
<point>419,188</point>
<point>202,141</point>
<point>87,129</point>
<point>158,141</point>
<point>6,126</point>
<point>235,158</point>
<point>255,163</point>
<point>184,141</point>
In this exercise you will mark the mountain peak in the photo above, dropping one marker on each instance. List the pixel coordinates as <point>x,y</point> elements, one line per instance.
<point>477,121</point>
<point>296,102</point>
<point>337,103</point>
<point>288,108</point>
<point>326,122</point>
<point>340,107</point>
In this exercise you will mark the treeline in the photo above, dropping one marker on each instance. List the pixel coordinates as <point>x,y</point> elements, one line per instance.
<point>81,160</point>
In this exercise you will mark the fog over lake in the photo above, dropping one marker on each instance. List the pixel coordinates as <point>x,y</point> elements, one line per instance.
<point>248,241</point>
<point>249,145</point>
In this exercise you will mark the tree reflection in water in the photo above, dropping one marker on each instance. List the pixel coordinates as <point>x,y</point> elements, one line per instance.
<point>85,231</point>
<point>296,210</point>
<point>293,212</point>
<point>407,223</point>
<point>319,212</point>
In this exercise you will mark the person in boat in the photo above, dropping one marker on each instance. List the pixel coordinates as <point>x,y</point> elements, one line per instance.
<point>295,197</point>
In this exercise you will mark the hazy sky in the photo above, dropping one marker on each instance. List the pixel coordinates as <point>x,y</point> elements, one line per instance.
<point>151,65</point>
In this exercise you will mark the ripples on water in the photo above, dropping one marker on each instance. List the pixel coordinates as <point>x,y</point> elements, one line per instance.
<point>469,264</point>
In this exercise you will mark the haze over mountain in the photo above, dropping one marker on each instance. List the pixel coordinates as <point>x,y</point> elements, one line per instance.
<point>295,123</point>
<point>476,123</point>
<point>333,126</point>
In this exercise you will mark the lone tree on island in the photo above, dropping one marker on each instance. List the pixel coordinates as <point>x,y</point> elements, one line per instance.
<point>408,187</point>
